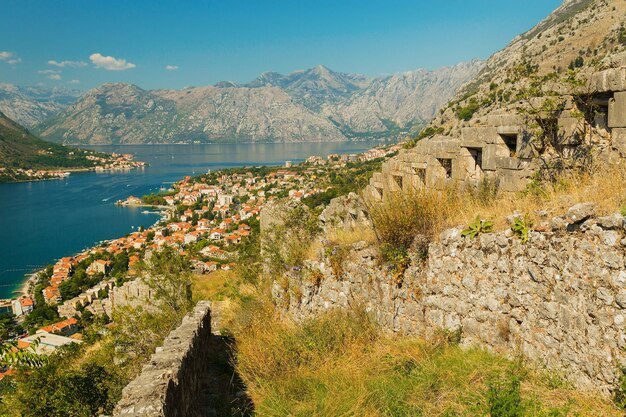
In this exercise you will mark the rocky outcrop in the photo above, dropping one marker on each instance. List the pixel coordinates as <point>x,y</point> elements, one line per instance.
<point>559,299</point>
<point>345,213</point>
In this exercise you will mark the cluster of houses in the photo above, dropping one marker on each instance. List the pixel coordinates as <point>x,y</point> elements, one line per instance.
<point>207,217</point>
<point>369,155</point>
<point>49,338</point>
<point>115,162</point>
<point>61,271</point>
<point>34,174</point>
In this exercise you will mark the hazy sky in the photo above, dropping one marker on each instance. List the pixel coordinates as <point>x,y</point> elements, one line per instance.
<point>173,44</point>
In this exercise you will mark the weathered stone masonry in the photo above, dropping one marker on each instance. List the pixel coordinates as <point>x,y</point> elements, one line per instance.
<point>560,299</point>
<point>189,375</point>
<point>499,146</point>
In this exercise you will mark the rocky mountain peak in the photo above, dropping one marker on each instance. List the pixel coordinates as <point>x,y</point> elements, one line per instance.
<point>317,104</point>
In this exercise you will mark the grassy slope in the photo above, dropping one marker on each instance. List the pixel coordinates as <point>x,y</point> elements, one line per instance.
<point>340,364</point>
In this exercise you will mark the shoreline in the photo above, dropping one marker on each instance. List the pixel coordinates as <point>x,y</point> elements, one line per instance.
<point>163,212</point>
<point>236,143</point>
<point>74,171</point>
<point>31,281</point>
<point>28,285</point>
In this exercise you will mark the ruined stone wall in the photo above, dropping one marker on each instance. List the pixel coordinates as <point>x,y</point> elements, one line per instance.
<point>499,146</point>
<point>560,299</point>
<point>170,384</point>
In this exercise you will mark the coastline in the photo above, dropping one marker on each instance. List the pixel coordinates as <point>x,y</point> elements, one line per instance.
<point>27,287</point>
<point>31,279</point>
<point>70,170</point>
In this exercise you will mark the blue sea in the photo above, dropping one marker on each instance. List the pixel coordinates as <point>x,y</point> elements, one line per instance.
<point>43,221</point>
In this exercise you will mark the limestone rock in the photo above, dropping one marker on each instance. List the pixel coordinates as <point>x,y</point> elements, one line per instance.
<point>580,212</point>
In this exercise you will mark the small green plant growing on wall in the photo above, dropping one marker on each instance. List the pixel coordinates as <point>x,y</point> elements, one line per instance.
<point>477,227</point>
<point>521,228</point>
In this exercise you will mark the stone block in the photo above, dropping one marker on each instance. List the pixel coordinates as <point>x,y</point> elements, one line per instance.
<point>512,180</point>
<point>570,130</point>
<point>490,155</point>
<point>619,140</point>
<point>504,119</point>
<point>479,136</point>
<point>613,79</point>
<point>508,163</point>
<point>617,110</point>
<point>508,130</point>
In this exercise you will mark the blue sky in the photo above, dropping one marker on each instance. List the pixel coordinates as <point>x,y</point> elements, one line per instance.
<point>203,42</point>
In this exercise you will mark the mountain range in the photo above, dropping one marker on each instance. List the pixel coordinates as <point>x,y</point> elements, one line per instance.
<point>317,104</point>
<point>31,105</point>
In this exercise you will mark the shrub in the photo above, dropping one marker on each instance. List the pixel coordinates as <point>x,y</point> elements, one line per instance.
<point>504,398</point>
<point>467,112</point>
<point>336,255</point>
<point>404,218</point>
<point>619,394</point>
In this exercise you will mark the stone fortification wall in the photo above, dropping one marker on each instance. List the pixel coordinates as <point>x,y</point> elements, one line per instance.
<point>170,384</point>
<point>502,146</point>
<point>559,299</point>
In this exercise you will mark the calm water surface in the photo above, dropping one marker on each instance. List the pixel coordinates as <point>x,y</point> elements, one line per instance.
<point>45,220</point>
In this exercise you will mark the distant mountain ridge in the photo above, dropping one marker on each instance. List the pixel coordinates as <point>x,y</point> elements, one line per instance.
<point>317,104</point>
<point>31,105</point>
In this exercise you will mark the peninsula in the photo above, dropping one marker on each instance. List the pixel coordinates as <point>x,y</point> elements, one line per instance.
<point>24,157</point>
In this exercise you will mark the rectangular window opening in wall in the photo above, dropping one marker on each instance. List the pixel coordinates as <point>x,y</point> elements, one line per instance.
<point>446,164</point>
<point>477,154</point>
<point>510,139</point>
<point>398,180</point>
<point>420,173</point>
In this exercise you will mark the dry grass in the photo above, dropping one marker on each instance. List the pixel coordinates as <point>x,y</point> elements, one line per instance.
<point>340,365</point>
<point>346,237</point>
<point>341,237</point>
<point>401,217</point>
<point>211,286</point>
<point>606,188</point>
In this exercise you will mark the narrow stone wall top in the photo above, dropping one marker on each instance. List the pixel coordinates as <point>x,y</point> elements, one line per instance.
<point>167,385</point>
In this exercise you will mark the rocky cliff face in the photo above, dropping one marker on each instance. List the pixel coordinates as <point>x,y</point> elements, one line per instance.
<point>401,101</point>
<point>313,105</point>
<point>586,35</point>
<point>31,105</point>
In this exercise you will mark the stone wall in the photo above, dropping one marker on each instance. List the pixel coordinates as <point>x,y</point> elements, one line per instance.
<point>501,146</point>
<point>189,375</point>
<point>560,299</point>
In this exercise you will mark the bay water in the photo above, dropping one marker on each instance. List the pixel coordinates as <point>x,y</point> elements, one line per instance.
<point>42,221</point>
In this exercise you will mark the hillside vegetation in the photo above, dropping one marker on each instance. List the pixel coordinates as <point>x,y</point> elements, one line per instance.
<point>19,149</point>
